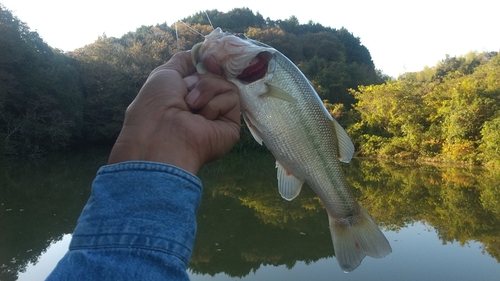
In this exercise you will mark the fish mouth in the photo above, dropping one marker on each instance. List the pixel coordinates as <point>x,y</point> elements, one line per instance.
<point>257,69</point>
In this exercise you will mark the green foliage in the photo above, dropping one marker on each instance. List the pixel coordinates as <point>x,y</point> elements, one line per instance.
<point>275,36</point>
<point>445,113</point>
<point>236,20</point>
<point>490,146</point>
<point>462,65</point>
<point>113,70</point>
<point>40,98</point>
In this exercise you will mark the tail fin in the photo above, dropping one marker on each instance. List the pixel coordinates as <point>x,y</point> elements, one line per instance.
<point>353,242</point>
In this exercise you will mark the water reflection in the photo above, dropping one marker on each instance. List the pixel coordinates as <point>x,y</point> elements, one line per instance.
<point>39,203</point>
<point>459,202</point>
<point>245,226</point>
<point>244,223</point>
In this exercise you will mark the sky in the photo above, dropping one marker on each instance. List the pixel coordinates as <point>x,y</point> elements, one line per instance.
<point>402,36</point>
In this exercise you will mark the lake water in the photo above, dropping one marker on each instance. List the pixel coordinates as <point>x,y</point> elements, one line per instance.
<point>443,222</point>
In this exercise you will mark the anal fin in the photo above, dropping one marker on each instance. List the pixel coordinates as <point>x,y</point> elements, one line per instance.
<point>289,185</point>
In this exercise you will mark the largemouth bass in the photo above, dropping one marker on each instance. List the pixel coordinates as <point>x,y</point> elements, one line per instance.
<point>283,111</point>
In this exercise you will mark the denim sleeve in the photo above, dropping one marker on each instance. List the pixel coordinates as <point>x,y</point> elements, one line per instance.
<point>139,224</point>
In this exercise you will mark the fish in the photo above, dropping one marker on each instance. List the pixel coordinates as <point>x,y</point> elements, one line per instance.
<point>283,111</point>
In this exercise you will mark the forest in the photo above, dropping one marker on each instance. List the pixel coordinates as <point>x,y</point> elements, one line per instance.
<point>54,101</point>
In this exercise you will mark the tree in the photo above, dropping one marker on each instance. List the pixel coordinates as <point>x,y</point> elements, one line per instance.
<point>447,112</point>
<point>490,139</point>
<point>40,106</point>
<point>236,20</point>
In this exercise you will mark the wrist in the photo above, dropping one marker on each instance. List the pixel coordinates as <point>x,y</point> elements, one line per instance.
<point>173,153</point>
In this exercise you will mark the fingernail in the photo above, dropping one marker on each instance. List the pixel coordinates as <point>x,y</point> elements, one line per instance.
<point>192,96</point>
<point>191,81</point>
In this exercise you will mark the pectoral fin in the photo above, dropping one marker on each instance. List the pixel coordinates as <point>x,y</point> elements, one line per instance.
<point>253,127</point>
<point>345,146</point>
<point>278,93</point>
<point>289,186</point>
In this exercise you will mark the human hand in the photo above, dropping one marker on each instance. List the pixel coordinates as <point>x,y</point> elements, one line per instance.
<point>180,117</point>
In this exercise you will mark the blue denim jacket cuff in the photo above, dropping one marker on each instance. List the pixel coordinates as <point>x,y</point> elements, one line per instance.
<point>141,205</point>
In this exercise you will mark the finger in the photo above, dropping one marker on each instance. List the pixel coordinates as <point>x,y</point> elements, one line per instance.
<point>191,81</point>
<point>180,62</point>
<point>208,86</point>
<point>224,106</point>
<point>163,88</point>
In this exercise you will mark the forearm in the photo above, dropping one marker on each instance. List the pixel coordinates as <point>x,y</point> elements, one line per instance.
<point>139,223</point>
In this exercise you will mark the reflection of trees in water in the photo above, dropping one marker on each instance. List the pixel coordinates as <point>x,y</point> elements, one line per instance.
<point>461,203</point>
<point>243,223</point>
<point>39,204</point>
<point>256,226</point>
